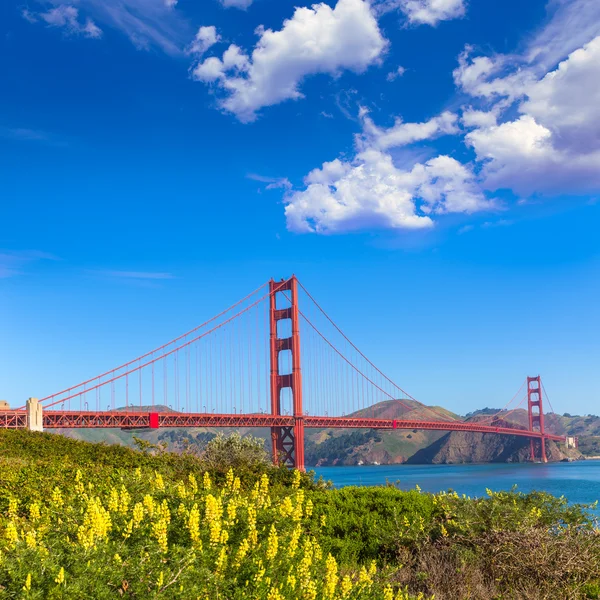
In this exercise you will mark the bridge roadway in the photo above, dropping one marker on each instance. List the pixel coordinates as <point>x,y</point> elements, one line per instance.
<point>144,420</point>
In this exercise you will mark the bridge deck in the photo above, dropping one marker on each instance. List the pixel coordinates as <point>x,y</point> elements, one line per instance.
<point>142,420</point>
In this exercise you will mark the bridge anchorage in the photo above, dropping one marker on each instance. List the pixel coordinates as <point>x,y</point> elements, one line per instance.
<point>246,368</point>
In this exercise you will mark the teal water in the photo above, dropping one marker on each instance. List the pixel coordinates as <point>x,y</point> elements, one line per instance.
<point>578,481</point>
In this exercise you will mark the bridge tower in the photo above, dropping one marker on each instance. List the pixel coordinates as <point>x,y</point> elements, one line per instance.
<point>287,442</point>
<point>535,408</point>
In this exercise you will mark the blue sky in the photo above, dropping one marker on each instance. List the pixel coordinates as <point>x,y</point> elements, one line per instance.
<point>430,169</point>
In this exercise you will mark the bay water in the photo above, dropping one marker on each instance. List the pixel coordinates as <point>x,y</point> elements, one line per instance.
<point>578,481</point>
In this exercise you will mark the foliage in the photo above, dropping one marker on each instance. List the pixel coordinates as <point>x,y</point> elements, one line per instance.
<point>235,452</point>
<point>82,520</point>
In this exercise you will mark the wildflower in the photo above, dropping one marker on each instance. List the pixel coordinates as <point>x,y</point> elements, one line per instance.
<point>138,513</point>
<point>286,508</point>
<point>231,511</point>
<point>346,586</point>
<point>124,500</point>
<point>57,498</point>
<point>193,483</point>
<point>149,504</point>
<point>298,508</point>
<point>206,482</point>
<point>229,478</point>
<point>323,520</point>
<point>159,483</point>
<point>11,533</point>
<point>236,485</point>
<point>293,543</point>
<point>161,580</point>
<point>242,551</point>
<point>60,578</point>
<point>113,501</point>
<point>221,561</point>
<point>194,526</point>
<point>296,480</point>
<point>364,577</point>
<point>138,473</point>
<point>272,544</point>
<point>274,594</point>
<point>388,594</point>
<point>260,573</point>
<point>331,576</point>
<point>34,511</point>
<point>30,539</point>
<point>27,586</point>
<point>308,509</point>
<point>117,558</point>
<point>181,491</point>
<point>13,505</point>
<point>291,581</point>
<point>309,591</point>
<point>159,531</point>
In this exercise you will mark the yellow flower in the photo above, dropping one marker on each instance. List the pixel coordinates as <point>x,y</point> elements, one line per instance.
<point>331,576</point>
<point>159,483</point>
<point>274,594</point>
<point>161,580</point>
<point>388,594</point>
<point>138,513</point>
<point>296,480</point>
<point>221,561</point>
<point>272,544</point>
<point>346,586</point>
<point>159,531</point>
<point>206,482</point>
<point>27,585</point>
<point>124,500</point>
<point>57,498</point>
<point>242,551</point>
<point>34,511</point>
<point>193,483</point>
<point>291,581</point>
<point>60,578</point>
<point>229,478</point>
<point>117,558</point>
<point>11,533</point>
<point>194,526</point>
<point>30,539</point>
<point>149,504</point>
<point>286,508</point>
<point>13,505</point>
<point>323,520</point>
<point>308,509</point>
<point>181,491</point>
<point>293,544</point>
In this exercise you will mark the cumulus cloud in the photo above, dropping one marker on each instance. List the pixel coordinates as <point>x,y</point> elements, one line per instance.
<point>370,191</point>
<point>426,12</point>
<point>554,146</point>
<point>315,40</point>
<point>66,17</point>
<point>205,38</point>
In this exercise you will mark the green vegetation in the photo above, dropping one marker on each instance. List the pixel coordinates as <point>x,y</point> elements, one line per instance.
<point>81,520</point>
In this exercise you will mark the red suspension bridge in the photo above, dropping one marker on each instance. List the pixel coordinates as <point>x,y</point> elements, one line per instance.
<point>246,367</point>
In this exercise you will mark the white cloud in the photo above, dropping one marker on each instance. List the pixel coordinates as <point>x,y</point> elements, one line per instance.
<point>401,133</point>
<point>372,192</point>
<point>393,75</point>
<point>315,40</point>
<point>243,4</point>
<point>554,146</point>
<point>206,38</point>
<point>147,23</point>
<point>426,12</point>
<point>273,183</point>
<point>67,17</point>
<point>478,118</point>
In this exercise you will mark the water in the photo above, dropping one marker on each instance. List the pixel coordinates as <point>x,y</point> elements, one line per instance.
<point>578,481</point>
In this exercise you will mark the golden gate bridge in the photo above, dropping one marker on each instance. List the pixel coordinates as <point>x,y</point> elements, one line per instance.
<point>274,359</point>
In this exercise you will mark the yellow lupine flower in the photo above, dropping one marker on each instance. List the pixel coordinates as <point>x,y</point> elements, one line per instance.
<point>161,580</point>
<point>13,505</point>
<point>272,544</point>
<point>242,551</point>
<point>229,478</point>
<point>159,531</point>
<point>113,500</point>
<point>193,483</point>
<point>293,544</point>
<point>181,490</point>
<point>149,504</point>
<point>286,508</point>
<point>138,513</point>
<point>27,586</point>
<point>346,586</point>
<point>388,593</point>
<point>274,594</point>
<point>34,511</point>
<point>159,483</point>
<point>206,482</point>
<point>231,510</point>
<point>291,581</point>
<point>124,500</point>
<point>331,576</point>
<point>323,520</point>
<point>308,509</point>
<point>221,561</point>
<point>309,590</point>
<point>60,578</point>
<point>296,480</point>
<point>57,498</point>
<point>194,525</point>
<point>30,539</point>
<point>363,577</point>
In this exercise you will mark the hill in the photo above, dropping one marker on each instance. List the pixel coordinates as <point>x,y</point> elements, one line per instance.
<point>362,446</point>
